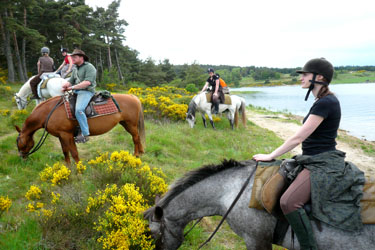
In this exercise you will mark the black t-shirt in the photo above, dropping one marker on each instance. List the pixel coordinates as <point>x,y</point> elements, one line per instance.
<point>212,81</point>
<point>323,138</point>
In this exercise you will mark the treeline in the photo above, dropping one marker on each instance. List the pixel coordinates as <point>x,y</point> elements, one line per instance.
<point>28,25</point>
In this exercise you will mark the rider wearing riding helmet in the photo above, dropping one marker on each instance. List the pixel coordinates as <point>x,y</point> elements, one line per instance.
<point>83,83</point>
<point>67,66</point>
<point>217,94</point>
<point>326,178</point>
<point>45,64</point>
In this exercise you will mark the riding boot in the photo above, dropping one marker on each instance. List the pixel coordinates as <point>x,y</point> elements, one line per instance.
<point>216,108</point>
<point>34,85</point>
<point>300,223</point>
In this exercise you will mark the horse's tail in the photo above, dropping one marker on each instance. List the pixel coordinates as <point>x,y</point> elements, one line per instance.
<point>141,128</point>
<point>243,112</point>
<point>236,118</point>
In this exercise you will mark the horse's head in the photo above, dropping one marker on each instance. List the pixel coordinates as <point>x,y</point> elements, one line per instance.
<point>20,101</point>
<point>24,143</point>
<point>190,115</point>
<point>166,233</point>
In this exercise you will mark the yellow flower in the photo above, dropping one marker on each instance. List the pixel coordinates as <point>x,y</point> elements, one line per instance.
<point>55,197</point>
<point>80,167</point>
<point>30,207</point>
<point>5,203</point>
<point>33,193</point>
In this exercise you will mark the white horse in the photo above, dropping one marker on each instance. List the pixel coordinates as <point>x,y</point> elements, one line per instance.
<point>53,88</point>
<point>199,102</point>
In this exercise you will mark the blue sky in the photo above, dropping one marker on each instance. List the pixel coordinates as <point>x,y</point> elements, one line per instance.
<point>246,32</point>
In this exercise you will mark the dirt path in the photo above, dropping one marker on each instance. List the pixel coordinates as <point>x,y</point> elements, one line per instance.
<point>286,129</point>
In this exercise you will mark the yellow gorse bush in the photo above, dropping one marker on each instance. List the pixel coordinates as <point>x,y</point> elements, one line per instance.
<point>55,174</point>
<point>80,167</point>
<point>122,225</point>
<point>161,101</point>
<point>33,193</point>
<point>113,213</point>
<point>5,204</point>
<point>4,112</point>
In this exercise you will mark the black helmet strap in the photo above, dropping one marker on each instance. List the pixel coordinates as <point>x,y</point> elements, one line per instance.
<point>312,85</point>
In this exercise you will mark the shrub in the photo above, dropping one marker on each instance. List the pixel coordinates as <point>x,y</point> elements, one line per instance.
<point>5,90</point>
<point>192,88</point>
<point>5,204</point>
<point>101,203</point>
<point>163,102</point>
<point>18,116</point>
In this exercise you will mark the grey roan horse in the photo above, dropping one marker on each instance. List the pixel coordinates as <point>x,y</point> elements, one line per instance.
<point>210,191</point>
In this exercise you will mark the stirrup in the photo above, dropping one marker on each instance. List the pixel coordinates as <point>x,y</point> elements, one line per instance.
<point>81,138</point>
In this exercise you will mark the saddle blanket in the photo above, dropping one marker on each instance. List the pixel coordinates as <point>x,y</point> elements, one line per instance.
<point>228,100</point>
<point>266,170</point>
<point>98,106</point>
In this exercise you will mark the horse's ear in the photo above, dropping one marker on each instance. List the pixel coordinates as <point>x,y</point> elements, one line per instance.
<point>158,213</point>
<point>157,199</point>
<point>17,128</point>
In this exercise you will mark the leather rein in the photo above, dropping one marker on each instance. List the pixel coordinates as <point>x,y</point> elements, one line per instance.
<point>45,132</point>
<point>163,224</point>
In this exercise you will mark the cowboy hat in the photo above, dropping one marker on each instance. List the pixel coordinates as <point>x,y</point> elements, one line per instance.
<point>79,52</point>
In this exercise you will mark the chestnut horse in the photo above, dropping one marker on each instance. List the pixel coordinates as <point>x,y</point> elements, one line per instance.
<point>130,117</point>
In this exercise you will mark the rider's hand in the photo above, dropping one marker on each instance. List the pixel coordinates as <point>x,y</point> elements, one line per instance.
<point>263,157</point>
<point>215,94</point>
<point>66,86</point>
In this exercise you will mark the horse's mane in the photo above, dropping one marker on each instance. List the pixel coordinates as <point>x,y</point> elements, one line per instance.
<point>196,176</point>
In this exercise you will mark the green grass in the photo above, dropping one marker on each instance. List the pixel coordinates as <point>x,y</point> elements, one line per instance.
<point>355,77</point>
<point>174,147</point>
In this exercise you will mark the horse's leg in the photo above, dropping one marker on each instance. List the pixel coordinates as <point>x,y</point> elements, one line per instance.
<point>211,121</point>
<point>68,146</point>
<point>204,120</point>
<point>65,149</point>
<point>230,117</point>
<point>132,129</point>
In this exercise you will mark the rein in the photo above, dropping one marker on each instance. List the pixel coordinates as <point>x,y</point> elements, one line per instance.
<point>45,132</point>
<point>231,206</point>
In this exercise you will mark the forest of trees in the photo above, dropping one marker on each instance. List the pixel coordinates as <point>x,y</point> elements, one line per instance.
<point>28,25</point>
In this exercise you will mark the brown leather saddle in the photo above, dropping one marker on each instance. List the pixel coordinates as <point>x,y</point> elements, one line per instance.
<point>102,103</point>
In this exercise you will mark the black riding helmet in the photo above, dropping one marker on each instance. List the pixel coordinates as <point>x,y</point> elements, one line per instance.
<point>317,66</point>
<point>210,70</point>
<point>64,50</point>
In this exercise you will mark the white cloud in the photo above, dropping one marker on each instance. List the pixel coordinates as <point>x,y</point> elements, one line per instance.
<point>246,32</point>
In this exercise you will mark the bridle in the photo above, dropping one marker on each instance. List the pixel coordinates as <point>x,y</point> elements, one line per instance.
<point>23,102</point>
<point>45,132</point>
<point>163,224</point>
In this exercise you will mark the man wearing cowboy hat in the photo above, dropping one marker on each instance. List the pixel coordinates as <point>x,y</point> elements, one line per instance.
<point>82,82</point>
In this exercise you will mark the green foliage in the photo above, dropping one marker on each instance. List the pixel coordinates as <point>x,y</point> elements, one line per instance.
<point>191,88</point>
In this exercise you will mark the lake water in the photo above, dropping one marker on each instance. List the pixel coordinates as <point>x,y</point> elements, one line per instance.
<point>357,104</point>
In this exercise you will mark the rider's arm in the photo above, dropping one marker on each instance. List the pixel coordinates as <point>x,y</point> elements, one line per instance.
<point>312,122</point>
<point>217,86</point>
<point>70,63</point>
<point>205,87</point>
<point>38,66</point>
<point>62,65</point>
<point>81,85</point>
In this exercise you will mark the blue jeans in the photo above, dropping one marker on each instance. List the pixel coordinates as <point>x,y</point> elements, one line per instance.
<point>83,99</point>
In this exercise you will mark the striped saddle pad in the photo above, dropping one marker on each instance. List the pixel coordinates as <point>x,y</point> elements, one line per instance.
<point>98,106</point>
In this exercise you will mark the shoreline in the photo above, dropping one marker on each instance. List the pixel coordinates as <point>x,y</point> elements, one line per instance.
<point>358,151</point>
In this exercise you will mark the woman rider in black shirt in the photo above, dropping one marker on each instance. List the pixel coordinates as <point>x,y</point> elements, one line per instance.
<point>217,93</point>
<point>317,135</point>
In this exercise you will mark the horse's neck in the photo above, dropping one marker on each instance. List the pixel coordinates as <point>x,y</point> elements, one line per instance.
<point>25,90</point>
<point>209,197</point>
